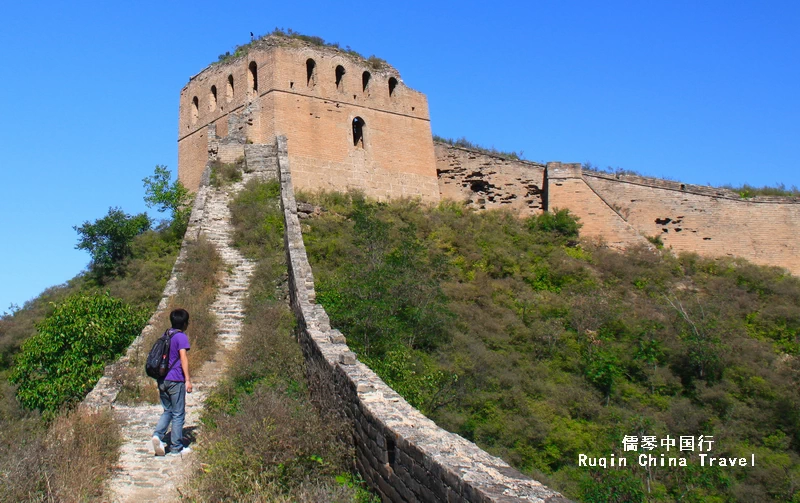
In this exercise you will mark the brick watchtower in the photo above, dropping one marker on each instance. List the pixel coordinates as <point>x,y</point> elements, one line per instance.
<point>349,123</point>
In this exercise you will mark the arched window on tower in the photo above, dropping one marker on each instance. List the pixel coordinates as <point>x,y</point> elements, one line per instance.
<point>212,99</point>
<point>252,76</point>
<point>392,85</point>
<point>195,109</point>
<point>311,67</point>
<point>365,80</point>
<point>339,74</point>
<point>358,132</point>
<point>230,88</point>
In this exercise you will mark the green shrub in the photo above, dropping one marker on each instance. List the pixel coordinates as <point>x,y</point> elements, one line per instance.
<point>67,356</point>
<point>656,240</point>
<point>257,219</point>
<point>174,198</point>
<point>558,221</point>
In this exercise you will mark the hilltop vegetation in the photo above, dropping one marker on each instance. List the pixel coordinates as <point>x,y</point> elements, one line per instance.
<point>290,34</point>
<point>510,333</point>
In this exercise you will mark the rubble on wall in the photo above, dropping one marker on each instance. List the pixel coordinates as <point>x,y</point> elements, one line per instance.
<point>486,181</point>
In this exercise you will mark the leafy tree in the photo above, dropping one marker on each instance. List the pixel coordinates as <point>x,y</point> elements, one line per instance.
<point>166,196</point>
<point>72,346</point>
<point>109,239</point>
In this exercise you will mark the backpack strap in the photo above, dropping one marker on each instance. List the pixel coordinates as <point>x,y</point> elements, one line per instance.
<point>168,334</point>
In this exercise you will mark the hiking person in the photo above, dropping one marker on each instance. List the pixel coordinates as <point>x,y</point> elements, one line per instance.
<point>174,386</point>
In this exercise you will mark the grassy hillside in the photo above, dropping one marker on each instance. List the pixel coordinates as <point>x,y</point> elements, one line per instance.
<point>539,349</point>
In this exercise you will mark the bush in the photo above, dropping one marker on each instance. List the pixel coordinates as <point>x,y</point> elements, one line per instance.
<point>63,361</point>
<point>174,198</point>
<point>69,461</point>
<point>257,219</point>
<point>558,221</point>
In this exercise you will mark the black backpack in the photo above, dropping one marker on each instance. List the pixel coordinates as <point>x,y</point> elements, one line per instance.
<point>157,365</point>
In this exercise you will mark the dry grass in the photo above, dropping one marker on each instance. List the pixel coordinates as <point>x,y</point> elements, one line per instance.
<point>197,288</point>
<point>263,440</point>
<point>69,461</point>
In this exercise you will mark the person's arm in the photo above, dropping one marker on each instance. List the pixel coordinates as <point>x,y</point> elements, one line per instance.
<point>185,367</point>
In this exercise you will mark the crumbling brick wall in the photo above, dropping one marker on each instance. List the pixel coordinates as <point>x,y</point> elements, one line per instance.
<point>486,181</point>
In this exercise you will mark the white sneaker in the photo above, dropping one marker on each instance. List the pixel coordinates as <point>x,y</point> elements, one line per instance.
<point>158,446</point>
<point>185,450</point>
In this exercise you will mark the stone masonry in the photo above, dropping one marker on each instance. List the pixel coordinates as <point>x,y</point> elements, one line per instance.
<point>141,476</point>
<point>401,453</point>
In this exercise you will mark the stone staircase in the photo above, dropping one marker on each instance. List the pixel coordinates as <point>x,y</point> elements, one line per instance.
<point>141,476</point>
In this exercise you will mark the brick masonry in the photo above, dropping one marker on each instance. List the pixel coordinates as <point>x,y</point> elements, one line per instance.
<point>286,87</point>
<point>276,92</point>
<point>485,181</point>
<point>706,220</point>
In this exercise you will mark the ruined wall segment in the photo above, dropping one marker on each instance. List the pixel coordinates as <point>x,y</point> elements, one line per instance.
<point>706,220</point>
<point>401,453</point>
<point>350,124</point>
<point>487,181</point>
<point>565,188</point>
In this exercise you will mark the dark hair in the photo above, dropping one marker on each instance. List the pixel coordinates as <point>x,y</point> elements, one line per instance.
<point>179,319</point>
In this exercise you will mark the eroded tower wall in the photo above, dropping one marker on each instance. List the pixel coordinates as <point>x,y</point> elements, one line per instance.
<point>294,92</point>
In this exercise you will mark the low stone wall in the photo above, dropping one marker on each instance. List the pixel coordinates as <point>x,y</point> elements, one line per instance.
<point>401,453</point>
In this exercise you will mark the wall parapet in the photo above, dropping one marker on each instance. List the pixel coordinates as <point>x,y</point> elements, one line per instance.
<point>401,453</point>
<point>702,190</point>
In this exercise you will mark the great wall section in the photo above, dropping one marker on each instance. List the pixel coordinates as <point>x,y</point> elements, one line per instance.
<point>141,476</point>
<point>317,118</point>
<point>401,453</point>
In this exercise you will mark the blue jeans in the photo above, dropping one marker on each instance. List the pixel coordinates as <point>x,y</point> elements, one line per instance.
<point>173,398</point>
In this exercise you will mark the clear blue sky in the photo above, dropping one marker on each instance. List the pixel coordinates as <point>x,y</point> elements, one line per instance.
<point>703,92</point>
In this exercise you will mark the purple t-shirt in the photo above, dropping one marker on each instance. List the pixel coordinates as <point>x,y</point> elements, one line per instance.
<point>179,341</point>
